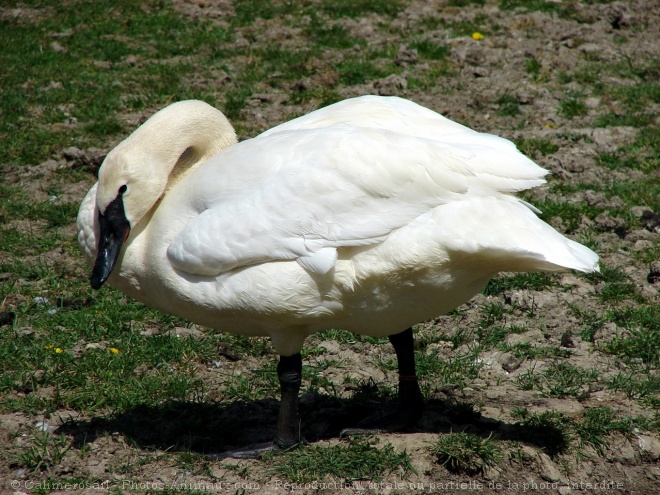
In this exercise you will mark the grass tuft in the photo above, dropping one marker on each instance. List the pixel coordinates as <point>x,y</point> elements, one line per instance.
<point>357,459</point>
<point>466,452</point>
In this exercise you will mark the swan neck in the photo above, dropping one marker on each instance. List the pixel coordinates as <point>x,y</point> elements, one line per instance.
<point>158,154</point>
<point>196,141</point>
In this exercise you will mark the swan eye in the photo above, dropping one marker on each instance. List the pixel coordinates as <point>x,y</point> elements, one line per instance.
<point>123,189</point>
<point>187,153</point>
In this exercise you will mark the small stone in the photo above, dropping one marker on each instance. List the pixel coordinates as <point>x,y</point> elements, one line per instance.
<point>590,48</point>
<point>524,338</point>
<point>492,474</point>
<point>592,102</point>
<point>20,473</point>
<point>549,470</point>
<point>96,345</point>
<point>593,198</point>
<point>475,56</point>
<point>55,46</point>
<point>25,331</point>
<point>98,469</point>
<point>650,446</point>
<point>621,450</point>
<point>73,153</point>
<point>150,331</point>
<point>391,85</point>
<point>185,332</point>
<point>605,221</point>
<point>509,362</point>
<point>54,85</point>
<point>44,426</point>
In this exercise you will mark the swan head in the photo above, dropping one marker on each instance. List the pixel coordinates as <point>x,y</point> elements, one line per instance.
<point>137,173</point>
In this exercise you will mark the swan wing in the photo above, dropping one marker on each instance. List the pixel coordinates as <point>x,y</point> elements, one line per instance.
<point>299,194</point>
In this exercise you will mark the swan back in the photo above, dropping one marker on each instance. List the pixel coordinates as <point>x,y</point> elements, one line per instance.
<point>494,160</point>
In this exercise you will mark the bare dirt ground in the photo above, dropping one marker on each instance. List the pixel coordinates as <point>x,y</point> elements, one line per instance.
<point>483,71</point>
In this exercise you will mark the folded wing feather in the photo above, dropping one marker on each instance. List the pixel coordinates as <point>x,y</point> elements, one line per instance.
<point>300,198</point>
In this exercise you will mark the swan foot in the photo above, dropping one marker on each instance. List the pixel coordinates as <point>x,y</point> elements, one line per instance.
<point>250,452</point>
<point>256,451</point>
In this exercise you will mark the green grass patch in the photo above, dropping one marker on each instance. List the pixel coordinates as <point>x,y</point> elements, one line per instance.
<point>358,8</point>
<point>465,3</point>
<point>105,364</point>
<point>459,370</point>
<point>247,10</point>
<point>507,105</point>
<point>593,429</point>
<point>535,146</point>
<point>431,50</point>
<point>331,36</point>
<point>573,106</point>
<point>357,459</point>
<point>637,384</point>
<point>642,154</point>
<point>519,281</point>
<point>235,102</point>
<point>569,212</point>
<point>466,452</point>
<point>532,66</point>
<point>616,285</point>
<point>559,380</point>
<point>345,337</point>
<point>561,9</point>
<point>491,336</point>
<point>642,324</point>
<point>104,61</point>
<point>43,452</point>
<point>358,72</point>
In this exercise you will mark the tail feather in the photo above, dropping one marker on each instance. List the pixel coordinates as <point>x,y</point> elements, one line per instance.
<point>503,233</point>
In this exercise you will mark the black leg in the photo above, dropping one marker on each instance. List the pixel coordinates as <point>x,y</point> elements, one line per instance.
<point>411,401</point>
<point>289,372</point>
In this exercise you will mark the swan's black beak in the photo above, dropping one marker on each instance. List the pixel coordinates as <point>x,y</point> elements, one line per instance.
<point>114,231</point>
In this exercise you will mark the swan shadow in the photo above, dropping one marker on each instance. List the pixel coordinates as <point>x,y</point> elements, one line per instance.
<point>206,428</point>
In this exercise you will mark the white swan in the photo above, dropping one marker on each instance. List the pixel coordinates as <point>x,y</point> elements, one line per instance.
<point>371,215</point>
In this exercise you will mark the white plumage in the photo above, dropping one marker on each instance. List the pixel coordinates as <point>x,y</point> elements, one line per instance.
<point>370,215</point>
